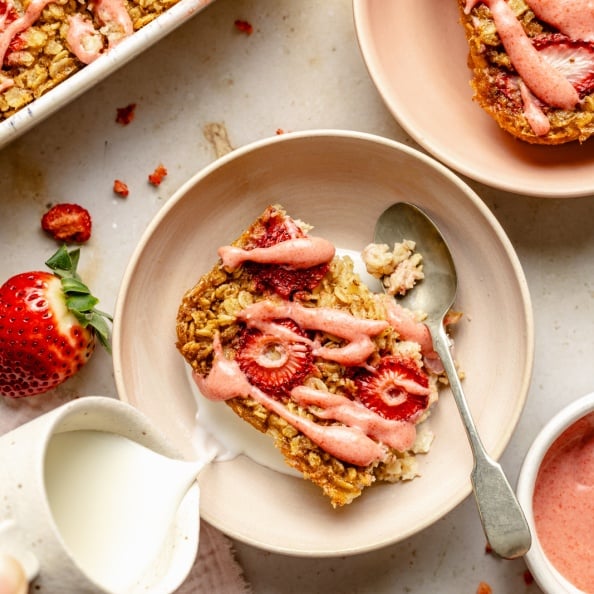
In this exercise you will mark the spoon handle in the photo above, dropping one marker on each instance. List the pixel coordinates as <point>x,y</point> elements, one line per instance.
<point>503,520</point>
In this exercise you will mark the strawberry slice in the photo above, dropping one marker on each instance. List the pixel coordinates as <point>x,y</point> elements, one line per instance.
<point>282,280</point>
<point>274,362</point>
<point>398,389</point>
<point>67,222</point>
<point>48,327</point>
<point>574,58</point>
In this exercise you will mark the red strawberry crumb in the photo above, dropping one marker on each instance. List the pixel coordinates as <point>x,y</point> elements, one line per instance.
<point>125,115</point>
<point>8,12</point>
<point>286,282</point>
<point>488,549</point>
<point>528,579</point>
<point>68,223</point>
<point>244,27</point>
<point>279,131</point>
<point>484,588</point>
<point>157,176</point>
<point>121,188</point>
<point>17,44</point>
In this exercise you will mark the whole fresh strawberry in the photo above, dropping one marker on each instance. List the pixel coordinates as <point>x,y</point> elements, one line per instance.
<point>48,327</point>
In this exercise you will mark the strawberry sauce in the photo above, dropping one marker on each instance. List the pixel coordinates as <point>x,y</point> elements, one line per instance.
<point>112,14</point>
<point>397,434</point>
<point>353,442</point>
<point>84,40</point>
<point>574,18</point>
<point>299,253</point>
<point>336,322</point>
<point>563,504</point>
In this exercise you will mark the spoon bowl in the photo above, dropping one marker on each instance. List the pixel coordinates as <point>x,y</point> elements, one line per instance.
<point>436,294</point>
<point>504,524</point>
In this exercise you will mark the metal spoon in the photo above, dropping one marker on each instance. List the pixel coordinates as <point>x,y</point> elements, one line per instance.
<point>502,518</point>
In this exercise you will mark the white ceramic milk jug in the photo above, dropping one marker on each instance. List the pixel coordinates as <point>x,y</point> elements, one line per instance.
<point>94,500</point>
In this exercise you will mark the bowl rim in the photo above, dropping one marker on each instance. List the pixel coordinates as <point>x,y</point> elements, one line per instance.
<point>544,572</point>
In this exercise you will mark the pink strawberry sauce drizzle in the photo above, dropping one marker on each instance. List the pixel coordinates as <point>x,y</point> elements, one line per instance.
<point>574,18</point>
<point>10,30</point>
<point>351,442</point>
<point>363,436</point>
<point>83,38</point>
<point>112,14</point>
<point>356,331</point>
<point>299,253</point>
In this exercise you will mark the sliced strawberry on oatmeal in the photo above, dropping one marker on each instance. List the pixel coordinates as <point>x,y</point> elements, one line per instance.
<point>275,362</point>
<point>573,58</point>
<point>397,389</point>
<point>283,280</point>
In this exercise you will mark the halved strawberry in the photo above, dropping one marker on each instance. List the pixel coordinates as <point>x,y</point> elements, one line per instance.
<point>274,363</point>
<point>48,327</point>
<point>67,222</point>
<point>397,389</point>
<point>574,58</point>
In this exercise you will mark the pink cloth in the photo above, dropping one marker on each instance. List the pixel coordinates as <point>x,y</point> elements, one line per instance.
<point>215,570</point>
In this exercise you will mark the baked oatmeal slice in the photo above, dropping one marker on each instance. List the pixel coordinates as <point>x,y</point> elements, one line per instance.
<point>285,333</point>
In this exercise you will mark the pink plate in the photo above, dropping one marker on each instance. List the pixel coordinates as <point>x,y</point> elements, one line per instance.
<point>416,54</point>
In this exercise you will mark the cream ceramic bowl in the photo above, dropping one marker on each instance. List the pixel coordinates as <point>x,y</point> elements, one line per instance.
<point>544,572</point>
<point>339,182</point>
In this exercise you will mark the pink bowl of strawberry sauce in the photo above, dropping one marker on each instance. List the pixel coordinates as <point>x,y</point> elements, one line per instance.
<point>556,491</point>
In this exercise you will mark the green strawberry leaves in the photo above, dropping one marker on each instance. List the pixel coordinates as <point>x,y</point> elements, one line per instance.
<point>78,297</point>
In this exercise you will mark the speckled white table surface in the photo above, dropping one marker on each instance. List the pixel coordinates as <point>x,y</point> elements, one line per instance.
<point>300,69</point>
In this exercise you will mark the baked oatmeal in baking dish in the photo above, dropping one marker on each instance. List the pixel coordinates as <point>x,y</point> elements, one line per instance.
<point>43,42</point>
<point>283,330</point>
